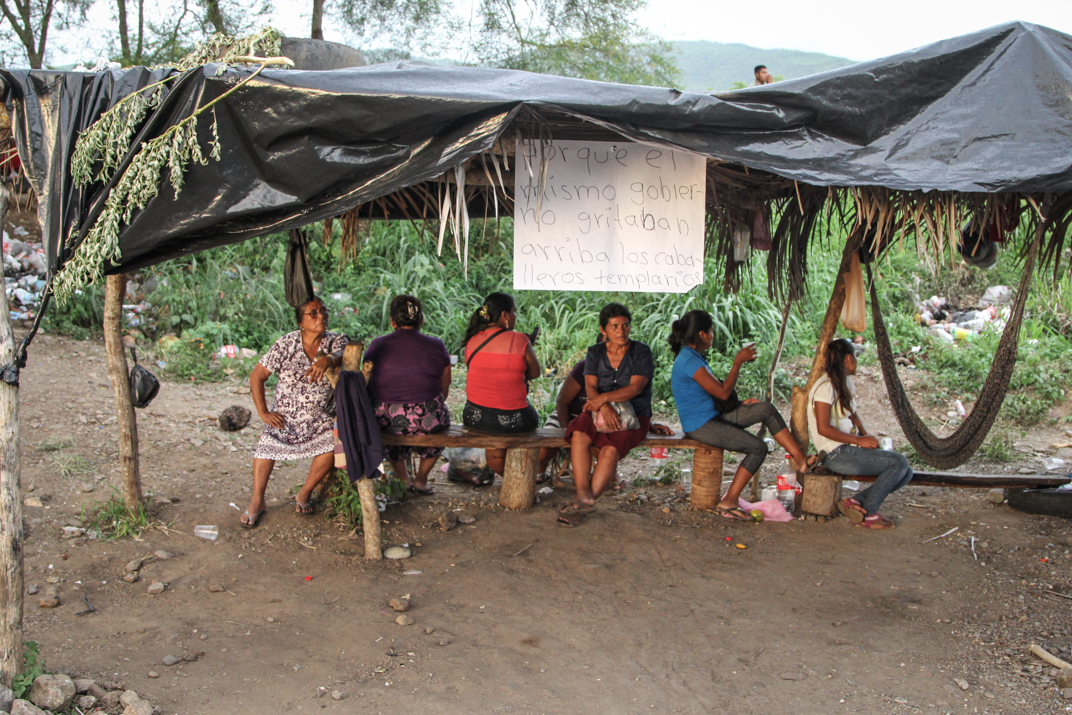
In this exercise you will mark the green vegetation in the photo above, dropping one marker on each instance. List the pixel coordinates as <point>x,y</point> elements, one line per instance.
<point>114,521</point>
<point>344,500</point>
<point>233,295</point>
<point>70,466</point>
<point>33,667</point>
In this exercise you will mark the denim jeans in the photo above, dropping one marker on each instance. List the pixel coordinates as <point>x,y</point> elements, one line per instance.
<point>727,432</point>
<point>890,468</point>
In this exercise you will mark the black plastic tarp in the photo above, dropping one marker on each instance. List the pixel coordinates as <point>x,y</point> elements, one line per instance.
<point>986,112</point>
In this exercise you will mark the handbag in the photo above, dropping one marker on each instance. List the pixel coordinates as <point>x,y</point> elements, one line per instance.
<point>730,404</point>
<point>143,384</point>
<point>626,415</point>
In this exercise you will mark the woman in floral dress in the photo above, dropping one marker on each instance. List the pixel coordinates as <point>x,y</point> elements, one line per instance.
<point>298,425</point>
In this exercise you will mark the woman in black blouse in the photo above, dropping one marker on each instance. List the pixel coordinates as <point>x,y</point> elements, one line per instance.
<point>617,370</point>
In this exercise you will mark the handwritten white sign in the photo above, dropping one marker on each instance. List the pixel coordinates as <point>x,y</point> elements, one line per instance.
<point>608,217</point>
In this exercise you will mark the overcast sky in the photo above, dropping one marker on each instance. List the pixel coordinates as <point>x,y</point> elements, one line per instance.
<point>856,30</point>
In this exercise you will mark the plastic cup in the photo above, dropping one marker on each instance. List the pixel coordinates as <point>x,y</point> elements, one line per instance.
<point>686,479</point>
<point>209,532</point>
<point>886,443</point>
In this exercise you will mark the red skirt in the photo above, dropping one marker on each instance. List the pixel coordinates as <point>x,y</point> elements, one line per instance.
<point>622,441</point>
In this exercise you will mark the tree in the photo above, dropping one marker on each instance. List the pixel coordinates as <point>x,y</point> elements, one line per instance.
<point>591,39</point>
<point>399,22</point>
<point>32,19</point>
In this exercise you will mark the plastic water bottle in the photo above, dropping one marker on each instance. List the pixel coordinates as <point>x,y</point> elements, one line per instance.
<point>658,456</point>
<point>787,487</point>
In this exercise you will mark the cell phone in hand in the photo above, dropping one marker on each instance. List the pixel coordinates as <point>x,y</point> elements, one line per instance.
<point>534,335</point>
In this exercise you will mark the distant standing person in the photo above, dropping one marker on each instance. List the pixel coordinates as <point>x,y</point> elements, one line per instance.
<point>762,76</point>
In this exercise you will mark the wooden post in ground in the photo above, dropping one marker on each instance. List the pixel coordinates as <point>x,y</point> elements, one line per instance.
<point>799,421</point>
<point>366,488</point>
<point>706,478</point>
<point>519,479</point>
<point>127,421</point>
<point>11,586</point>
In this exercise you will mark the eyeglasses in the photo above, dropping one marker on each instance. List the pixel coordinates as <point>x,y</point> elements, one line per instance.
<point>318,313</point>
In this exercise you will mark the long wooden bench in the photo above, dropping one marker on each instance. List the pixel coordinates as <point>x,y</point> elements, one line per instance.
<point>522,456</point>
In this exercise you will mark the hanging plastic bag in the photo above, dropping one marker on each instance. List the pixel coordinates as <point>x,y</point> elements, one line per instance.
<point>297,282</point>
<point>741,238</point>
<point>143,384</point>
<point>761,236</point>
<point>854,312</point>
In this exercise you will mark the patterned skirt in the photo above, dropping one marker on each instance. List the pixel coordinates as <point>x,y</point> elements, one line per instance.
<point>488,419</point>
<point>410,419</point>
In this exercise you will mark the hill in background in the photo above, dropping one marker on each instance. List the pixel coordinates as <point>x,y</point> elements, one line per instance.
<point>715,66</point>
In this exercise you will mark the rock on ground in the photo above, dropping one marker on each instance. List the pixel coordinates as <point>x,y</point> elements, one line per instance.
<point>6,698</point>
<point>52,692</point>
<point>25,707</point>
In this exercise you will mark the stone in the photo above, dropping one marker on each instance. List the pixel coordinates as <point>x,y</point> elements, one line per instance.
<point>170,660</point>
<point>1067,693</point>
<point>404,620</point>
<point>163,555</point>
<point>961,683</point>
<point>444,641</point>
<point>134,566</point>
<point>51,599</point>
<point>87,487</point>
<point>399,604</point>
<point>448,520</point>
<point>233,418</point>
<point>33,501</point>
<point>901,701</point>
<point>464,518</point>
<point>32,590</point>
<point>86,702</point>
<point>110,701</point>
<point>396,552</point>
<point>793,676</point>
<point>196,442</point>
<point>1064,678</point>
<point>215,588</point>
<point>153,674</point>
<point>337,695</point>
<point>7,696</point>
<point>995,496</point>
<point>156,587</point>
<point>139,707</point>
<point>131,577</point>
<point>25,707</point>
<point>97,691</point>
<point>128,697</point>
<point>429,631</point>
<point>52,579</point>
<point>82,685</point>
<point>52,692</point>
<point>72,532</point>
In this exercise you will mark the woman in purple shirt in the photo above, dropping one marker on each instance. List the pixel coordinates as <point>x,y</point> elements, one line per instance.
<point>409,386</point>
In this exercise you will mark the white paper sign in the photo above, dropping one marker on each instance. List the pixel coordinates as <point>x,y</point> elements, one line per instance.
<point>610,217</point>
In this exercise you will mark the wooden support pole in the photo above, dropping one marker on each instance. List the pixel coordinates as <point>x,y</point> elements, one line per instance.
<point>370,518</point>
<point>11,584</point>
<point>519,479</point>
<point>706,478</point>
<point>799,421</point>
<point>127,421</point>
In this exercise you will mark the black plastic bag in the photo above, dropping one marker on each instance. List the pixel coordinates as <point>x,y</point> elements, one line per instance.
<point>297,282</point>
<point>143,384</point>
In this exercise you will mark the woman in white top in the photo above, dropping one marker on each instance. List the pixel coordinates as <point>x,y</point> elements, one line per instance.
<point>831,419</point>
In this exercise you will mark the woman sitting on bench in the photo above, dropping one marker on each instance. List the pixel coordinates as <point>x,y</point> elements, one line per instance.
<point>617,380</point>
<point>831,418</point>
<point>711,413</point>
<point>409,386</point>
<point>500,362</point>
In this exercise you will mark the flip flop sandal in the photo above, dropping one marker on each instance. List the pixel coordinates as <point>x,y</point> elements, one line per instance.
<point>571,519</point>
<point>543,478</point>
<point>571,508</point>
<point>735,513</point>
<point>852,510</point>
<point>422,492</point>
<point>304,509</point>
<point>876,521</point>
<point>249,521</point>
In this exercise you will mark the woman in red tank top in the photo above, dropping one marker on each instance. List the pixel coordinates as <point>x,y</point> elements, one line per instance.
<point>500,361</point>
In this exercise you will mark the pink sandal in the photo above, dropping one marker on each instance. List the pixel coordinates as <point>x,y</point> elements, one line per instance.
<point>852,510</point>
<point>876,521</point>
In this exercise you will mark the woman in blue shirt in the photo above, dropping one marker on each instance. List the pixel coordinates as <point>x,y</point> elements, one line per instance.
<point>695,390</point>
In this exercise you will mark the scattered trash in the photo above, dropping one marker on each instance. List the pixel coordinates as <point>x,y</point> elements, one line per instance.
<point>1053,463</point>
<point>209,532</point>
<point>949,324</point>
<point>954,529</point>
<point>545,491</point>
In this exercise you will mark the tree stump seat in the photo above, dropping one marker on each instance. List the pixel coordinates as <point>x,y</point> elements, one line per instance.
<point>522,451</point>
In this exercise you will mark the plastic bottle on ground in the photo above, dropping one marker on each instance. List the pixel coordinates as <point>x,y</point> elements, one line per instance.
<point>787,486</point>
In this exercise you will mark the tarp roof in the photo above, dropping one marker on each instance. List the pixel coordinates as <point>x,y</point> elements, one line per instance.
<point>986,112</point>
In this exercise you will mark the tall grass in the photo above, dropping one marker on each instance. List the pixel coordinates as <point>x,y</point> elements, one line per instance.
<point>234,295</point>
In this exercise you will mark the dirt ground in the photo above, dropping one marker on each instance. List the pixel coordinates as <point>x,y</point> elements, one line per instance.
<point>647,607</point>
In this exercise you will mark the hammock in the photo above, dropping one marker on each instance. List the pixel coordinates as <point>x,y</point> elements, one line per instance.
<point>957,448</point>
